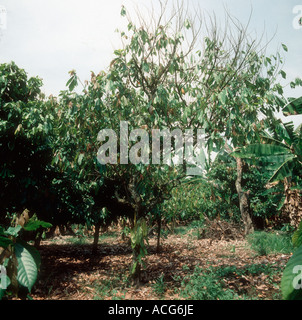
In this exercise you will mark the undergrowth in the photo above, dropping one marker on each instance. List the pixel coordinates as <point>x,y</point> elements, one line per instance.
<point>264,243</point>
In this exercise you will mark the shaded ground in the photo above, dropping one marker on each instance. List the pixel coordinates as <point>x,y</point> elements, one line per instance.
<point>70,271</point>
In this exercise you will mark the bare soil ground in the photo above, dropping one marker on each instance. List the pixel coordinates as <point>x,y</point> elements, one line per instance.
<point>69,271</point>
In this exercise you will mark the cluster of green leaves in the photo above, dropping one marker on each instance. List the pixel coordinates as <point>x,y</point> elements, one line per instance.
<point>184,204</point>
<point>223,174</point>
<point>24,151</point>
<point>29,178</point>
<point>216,196</point>
<point>222,197</point>
<point>239,99</point>
<point>28,173</point>
<point>193,201</point>
<point>263,203</point>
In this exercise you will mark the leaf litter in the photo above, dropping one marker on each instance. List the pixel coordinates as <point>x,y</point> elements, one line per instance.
<point>70,271</point>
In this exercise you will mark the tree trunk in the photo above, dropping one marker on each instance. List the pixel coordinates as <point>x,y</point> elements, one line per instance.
<point>136,265</point>
<point>123,225</point>
<point>38,239</point>
<point>96,237</point>
<point>139,234</point>
<point>136,247</point>
<point>158,234</point>
<point>243,200</point>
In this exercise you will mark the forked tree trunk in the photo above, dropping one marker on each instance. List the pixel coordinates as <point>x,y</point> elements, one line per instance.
<point>243,200</point>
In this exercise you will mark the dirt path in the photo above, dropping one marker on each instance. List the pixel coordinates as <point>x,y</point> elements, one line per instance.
<point>70,271</point>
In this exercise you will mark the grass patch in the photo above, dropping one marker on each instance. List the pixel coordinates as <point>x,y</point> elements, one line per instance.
<point>78,240</point>
<point>108,234</point>
<point>106,289</point>
<point>264,243</point>
<point>159,287</point>
<point>182,230</point>
<point>213,283</point>
<point>206,285</point>
<point>114,288</point>
<point>193,228</point>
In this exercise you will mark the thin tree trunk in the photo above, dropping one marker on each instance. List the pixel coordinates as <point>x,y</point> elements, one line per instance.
<point>158,234</point>
<point>96,237</point>
<point>140,233</point>
<point>123,225</point>
<point>243,200</point>
<point>38,239</point>
<point>136,265</point>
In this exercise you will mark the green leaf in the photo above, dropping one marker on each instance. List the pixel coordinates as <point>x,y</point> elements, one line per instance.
<point>33,225</point>
<point>13,231</point>
<point>273,158</point>
<point>134,266</point>
<point>297,237</point>
<point>123,11</point>
<point>73,81</point>
<point>32,250</point>
<point>283,74</point>
<point>293,108</point>
<point>5,242</point>
<point>261,150</point>
<point>5,283</point>
<point>187,24</point>
<point>292,276</point>
<point>284,47</point>
<point>27,267</point>
<point>146,67</point>
<point>223,97</point>
<point>80,158</point>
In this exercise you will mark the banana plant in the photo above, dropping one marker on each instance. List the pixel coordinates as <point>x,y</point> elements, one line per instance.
<point>281,154</point>
<point>291,282</point>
